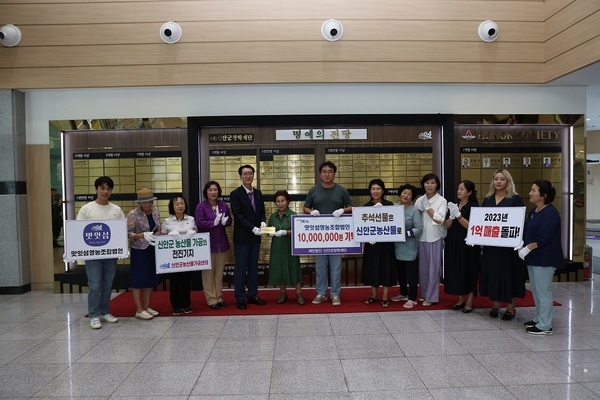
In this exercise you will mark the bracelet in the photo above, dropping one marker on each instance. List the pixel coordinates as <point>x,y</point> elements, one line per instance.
<point>459,217</point>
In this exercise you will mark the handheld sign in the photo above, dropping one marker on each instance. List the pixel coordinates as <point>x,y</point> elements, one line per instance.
<point>93,240</point>
<point>182,254</point>
<point>379,224</point>
<point>496,226</point>
<point>323,235</point>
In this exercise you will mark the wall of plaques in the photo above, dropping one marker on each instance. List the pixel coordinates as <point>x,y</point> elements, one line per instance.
<point>287,158</point>
<point>134,159</point>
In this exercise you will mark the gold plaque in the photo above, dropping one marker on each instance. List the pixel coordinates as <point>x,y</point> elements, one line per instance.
<point>267,229</point>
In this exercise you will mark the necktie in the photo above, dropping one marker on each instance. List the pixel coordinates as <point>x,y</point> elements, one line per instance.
<point>251,195</point>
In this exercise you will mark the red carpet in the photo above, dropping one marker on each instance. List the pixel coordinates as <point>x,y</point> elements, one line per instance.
<point>352,301</point>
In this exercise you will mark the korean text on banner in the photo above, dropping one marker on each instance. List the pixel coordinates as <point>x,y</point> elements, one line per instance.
<point>496,226</point>
<point>93,240</point>
<point>182,254</point>
<point>379,224</point>
<point>323,235</point>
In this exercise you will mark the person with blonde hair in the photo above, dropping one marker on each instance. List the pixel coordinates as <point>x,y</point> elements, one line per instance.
<point>502,277</point>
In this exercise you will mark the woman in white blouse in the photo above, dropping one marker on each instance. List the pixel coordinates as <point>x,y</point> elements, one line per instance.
<point>180,283</point>
<point>433,209</point>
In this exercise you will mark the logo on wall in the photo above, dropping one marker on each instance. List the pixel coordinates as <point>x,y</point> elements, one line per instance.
<point>426,135</point>
<point>96,234</point>
<point>468,135</point>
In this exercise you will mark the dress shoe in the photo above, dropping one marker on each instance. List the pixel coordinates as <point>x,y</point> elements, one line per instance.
<point>256,300</point>
<point>300,299</point>
<point>458,306</point>
<point>222,304</point>
<point>241,305</point>
<point>217,307</point>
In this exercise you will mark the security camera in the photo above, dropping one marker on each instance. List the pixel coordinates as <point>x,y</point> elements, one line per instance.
<point>332,30</point>
<point>488,31</point>
<point>10,35</point>
<point>170,32</point>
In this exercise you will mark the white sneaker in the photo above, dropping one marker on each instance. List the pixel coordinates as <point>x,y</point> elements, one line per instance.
<point>95,323</point>
<point>335,300</point>
<point>410,304</point>
<point>109,318</point>
<point>399,298</point>
<point>144,315</point>
<point>319,299</point>
<point>152,312</point>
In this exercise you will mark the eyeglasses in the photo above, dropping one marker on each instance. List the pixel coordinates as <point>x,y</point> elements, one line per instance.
<point>248,174</point>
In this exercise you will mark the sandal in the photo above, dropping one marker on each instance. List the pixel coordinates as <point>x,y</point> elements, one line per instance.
<point>494,313</point>
<point>385,303</point>
<point>370,300</point>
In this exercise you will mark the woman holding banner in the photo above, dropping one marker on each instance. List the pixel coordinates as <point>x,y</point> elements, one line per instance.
<point>284,268</point>
<point>180,283</point>
<point>461,261</point>
<point>542,253</point>
<point>502,276</point>
<point>379,259</point>
<point>213,216</point>
<point>143,223</point>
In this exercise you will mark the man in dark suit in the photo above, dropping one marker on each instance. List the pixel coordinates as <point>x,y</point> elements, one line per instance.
<point>248,209</point>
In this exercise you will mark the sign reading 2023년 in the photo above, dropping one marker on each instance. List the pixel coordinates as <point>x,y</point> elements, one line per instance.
<point>379,224</point>
<point>496,226</point>
<point>91,240</point>
<point>182,254</point>
<point>323,235</point>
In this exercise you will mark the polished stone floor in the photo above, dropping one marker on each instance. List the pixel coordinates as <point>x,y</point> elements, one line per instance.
<point>47,350</point>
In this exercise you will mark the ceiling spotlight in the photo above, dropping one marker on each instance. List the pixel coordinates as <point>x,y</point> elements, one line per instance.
<point>332,30</point>
<point>10,35</point>
<point>488,31</point>
<point>170,32</point>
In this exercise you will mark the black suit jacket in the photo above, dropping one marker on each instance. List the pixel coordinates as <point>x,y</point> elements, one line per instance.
<point>244,217</point>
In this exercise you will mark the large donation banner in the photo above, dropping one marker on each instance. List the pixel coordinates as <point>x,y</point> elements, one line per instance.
<point>323,235</point>
<point>182,254</point>
<point>379,224</point>
<point>92,240</point>
<point>496,226</point>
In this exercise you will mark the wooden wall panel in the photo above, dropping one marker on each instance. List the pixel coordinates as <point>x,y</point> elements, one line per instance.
<point>552,7</point>
<point>40,218</point>
<point>93,43</point>
<point>571,15</point>
<point>572,60</point>
<point>577,34</point>
<point>245,10</point>
<point>272,52</point>
<point>54,36</point>
<point>201,74</point>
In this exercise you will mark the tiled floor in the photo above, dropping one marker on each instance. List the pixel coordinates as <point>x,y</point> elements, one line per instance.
<point>47,350</point>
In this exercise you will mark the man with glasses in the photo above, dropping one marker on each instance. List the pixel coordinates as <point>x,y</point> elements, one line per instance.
<point>328,198</point>
<point>248,209</point>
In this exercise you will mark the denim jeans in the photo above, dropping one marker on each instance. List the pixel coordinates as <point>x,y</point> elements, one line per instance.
<point>335,263</point>
<point>100,274</point>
